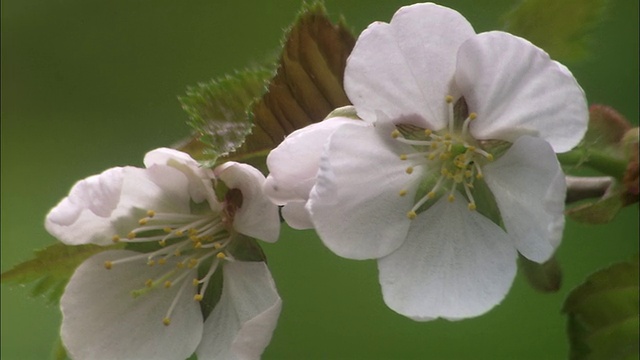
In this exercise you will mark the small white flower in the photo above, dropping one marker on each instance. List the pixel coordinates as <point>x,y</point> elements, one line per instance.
<point>147,305</point>
<point>453,170</point>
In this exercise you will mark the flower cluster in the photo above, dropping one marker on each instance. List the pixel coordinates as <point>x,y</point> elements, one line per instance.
<point>130,304</point>
<point>451,169</point>
<point>444,169</point>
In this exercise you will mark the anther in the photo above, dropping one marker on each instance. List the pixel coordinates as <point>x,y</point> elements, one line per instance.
<point>197,245</point>
<point>403,157</point>
<point>451,198</point>
<point>448,99</point>
<point>108,265</point>
<point>166,321</point>
<point>198,297</point>
<point>409,170</point>
<point>148,283</point>
<point>395,134</point>
<point>411,215</point>
<point>167,229</point>
<point>115,238</point>
<point>221,256</point>
<point>162,261</point>
<point>402,192</point>
<point>143,221</point>
<point>427,132</point>
<point>131,235</point>
<point>151,262</point>
<point>195,282</point>
<point>192,263</point>
<point>167,284</point>
<point>151,213</point>
<point>471,206</point>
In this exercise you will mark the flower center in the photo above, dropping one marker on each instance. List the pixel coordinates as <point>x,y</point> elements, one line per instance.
<point>187,241</point>
<point>452,157</point>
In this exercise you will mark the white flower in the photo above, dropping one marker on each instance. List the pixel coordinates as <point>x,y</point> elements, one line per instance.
<point>147,305</point>
<point>453,170</point>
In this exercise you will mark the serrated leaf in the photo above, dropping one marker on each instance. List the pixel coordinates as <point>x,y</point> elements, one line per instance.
<point>603,314</point>
<point>52,267</point>
<point>559,27</point>
<point>545,277</point>
<point>308,81</point>
<point>218,113</point>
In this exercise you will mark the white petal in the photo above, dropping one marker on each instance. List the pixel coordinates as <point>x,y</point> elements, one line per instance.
<point>293,165</point>
<point>102,320</point>
<point>529,187</point>
<point>200,187</point>
<point>87,209</point>
<point>355,204</point>
<point>241,324</point>
<point>516,89</point>
<point>455,264</point>
<point>405,68</point>
<point>257,217</point>
<point>295,213</point>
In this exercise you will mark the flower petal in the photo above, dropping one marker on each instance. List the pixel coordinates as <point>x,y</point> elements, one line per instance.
<point>405,68</point>
<point>297,216</point>
<point>355,204</point>
<point>528,185</point>
<point>455,264</point>
<point>87,208</point>
<point>200,187</point>
<point>242,323</point>
<point>293,165</point>
<point>257,216</point>
<point>102,320</point>
<point>516,89</point>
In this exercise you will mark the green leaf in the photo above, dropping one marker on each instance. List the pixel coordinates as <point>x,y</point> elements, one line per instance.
<point>52,267</point>
<point>598,211</point>
<point>218,113</point>
<point>546,277</point>
<point>559,27</point>
<point>603,314</point>
<point>308,81</point>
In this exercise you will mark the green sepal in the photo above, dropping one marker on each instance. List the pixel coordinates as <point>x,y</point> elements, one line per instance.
<point>559,27</point>
<point>603,314</point>
<point>218,113</point>
<point>52,267</point>
<point>545,277</point>
<point>59,352</point>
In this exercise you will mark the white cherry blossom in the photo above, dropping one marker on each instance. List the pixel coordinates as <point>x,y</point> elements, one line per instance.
<point>453,170</point>
<point>129,304</point>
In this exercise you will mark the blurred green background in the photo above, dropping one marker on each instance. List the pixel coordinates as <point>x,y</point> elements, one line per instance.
<point>88,85</point>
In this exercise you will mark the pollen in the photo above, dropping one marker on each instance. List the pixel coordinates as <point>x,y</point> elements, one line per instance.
<point>195,282</point>
<point>411,215</point>
<point>108,265</point>
<point>448,99</point>
<point>471,206</point>
<point>473,116</point>
<point>131,235</point>
<point>198,297</point>
<point>403,157</point>
<point>143,221</point>
<point>167,284</point>
<point>115,238</point>
<point>409,170</point>
<point>395,134</point>
<point>148,283</point>
<point>151,262</point>
<point>451,198</point>
<point>162,261</point>
<point>221,256</point>
<point>167,229</point>
<point>192,263</point>
<point>151,213</point>
<point>402,192</point>
<point>166,321</point>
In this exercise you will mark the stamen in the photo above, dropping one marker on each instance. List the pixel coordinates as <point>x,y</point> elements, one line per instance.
<point>449,100</point>
<point>167,318</point>
<point>472,203</point>
<point>465,125</point>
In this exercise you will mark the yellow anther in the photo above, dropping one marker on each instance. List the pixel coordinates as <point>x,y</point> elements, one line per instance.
<point>458,178</point>
<point>151,262</point>
<point>217,246</point>
<point>471,148</point>
<point>221,256</point>
<point>431,194</point>
<point>108,265</point>
<point>192,263</point>
<point>180,265</point>
<point>167,284</point>
<point>431,156</point>
<point>447,136</point>
<point>198,297</point>
<point>131,235</point>
<point>409,170</point>
<point>468,173</point>
<point>115,238</point>
<point>162,243</point>
<point>448,99</point>
<point>473,116</point>
<point>403,157</point>
<point>167,229</point>
<point>471,206</point>
<point>143,221</point>
<point>194,238</point>
<point>162,261</point>
<point>177,253</point>
<point>427,132</point>
<point>444,156</point>
<point>151,213</point>
<point>451,198</point>
<point>197,245</point>
<point>195,282</point>
<point>402,192</point>
<point>179,233</point>
<point>411,215</point>
<point>148,283</point>
<point>490,157</point>
<point>193,232</point>
<point>166,321</point>
<point>395,134</point>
